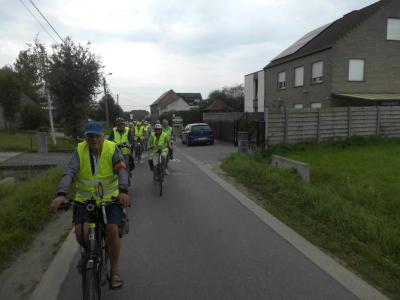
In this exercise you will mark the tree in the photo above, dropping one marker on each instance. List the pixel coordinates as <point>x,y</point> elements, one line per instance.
<point>233,96</point>
<point>114,110</point>
<point>31,117</point>
<point>73,81</point>
<point>10,93</point>
<point>32,67</point>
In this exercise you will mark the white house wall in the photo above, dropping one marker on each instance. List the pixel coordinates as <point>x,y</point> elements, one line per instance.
<point>178,104</point>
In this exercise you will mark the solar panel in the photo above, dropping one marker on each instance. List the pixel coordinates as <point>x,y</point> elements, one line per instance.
<point>301,42</point>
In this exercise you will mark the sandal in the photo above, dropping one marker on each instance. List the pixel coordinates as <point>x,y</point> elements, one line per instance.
<point>115,282</point>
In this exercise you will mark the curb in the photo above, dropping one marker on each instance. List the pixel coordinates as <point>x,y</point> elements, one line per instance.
<point>55,275</point>
<point>347,279</point>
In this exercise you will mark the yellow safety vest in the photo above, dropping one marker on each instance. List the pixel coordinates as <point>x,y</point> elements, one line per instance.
<point>86,181</point>
<point>138,131</point>
<point>162,142</point>
<point>168,132</point>
<point>121,139</point>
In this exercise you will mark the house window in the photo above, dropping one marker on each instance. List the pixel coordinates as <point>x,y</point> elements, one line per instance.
<point>356,69</point>
<point>299,76</point>
<point>298,106</point>
<point>282,80</point>
<point>317,72</point>
<point>316,105</point>
<point>393,29</point>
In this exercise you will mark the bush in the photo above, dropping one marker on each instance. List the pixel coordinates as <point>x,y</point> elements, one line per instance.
<point>31,117</point>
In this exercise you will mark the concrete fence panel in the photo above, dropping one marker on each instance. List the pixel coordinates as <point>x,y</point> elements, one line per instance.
<point>306,125</point>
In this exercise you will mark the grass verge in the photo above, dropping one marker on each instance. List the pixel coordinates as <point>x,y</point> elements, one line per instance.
<point>26,141</point>
<point>24,211</point>
<point>351,208</point>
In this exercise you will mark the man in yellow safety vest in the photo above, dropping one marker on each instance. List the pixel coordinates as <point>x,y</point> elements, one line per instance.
<point>96,161</point>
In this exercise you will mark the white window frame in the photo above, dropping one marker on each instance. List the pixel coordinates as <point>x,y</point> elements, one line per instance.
<point>354,75</point>
<point>393,29</point>
<point>317,77</point>
<point>281,83</point>
<point>316,105</point>
<point>298,106</point>
<point>296,84</point>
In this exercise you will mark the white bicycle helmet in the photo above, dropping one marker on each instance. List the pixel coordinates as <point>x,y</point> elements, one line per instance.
<point>157,126</point>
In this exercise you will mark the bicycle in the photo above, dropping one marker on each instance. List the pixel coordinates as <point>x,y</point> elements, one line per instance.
<point>138,150</point>
<point>159,172</point>
<point>129,161</point>
<point>95,263</point>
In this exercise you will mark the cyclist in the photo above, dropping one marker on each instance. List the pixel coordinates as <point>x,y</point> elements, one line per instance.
<point>139,140</point>
<point>158,141</point>
<point>171,137</point>
<point>97,160</point>
<point>122,136</point>
<point>146,134</point>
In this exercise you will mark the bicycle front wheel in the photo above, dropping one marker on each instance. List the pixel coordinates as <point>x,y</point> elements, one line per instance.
<point>91,285</point>
<point>160,179</point>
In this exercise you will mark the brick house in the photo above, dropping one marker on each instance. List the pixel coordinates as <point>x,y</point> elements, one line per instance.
<point>354,60</point>
<point>172,101</point>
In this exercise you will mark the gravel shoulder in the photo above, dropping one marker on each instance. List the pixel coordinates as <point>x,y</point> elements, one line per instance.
<point>20,279</point>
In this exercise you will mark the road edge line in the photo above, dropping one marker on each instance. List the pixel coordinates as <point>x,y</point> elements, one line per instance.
<point>50,283</point>
<point>346,278</point>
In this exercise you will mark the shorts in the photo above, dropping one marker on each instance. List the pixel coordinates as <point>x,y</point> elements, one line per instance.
<point>154,157</point>
<point>114,212</point>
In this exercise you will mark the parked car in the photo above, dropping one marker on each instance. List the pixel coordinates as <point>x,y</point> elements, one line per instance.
<point>197,133</point>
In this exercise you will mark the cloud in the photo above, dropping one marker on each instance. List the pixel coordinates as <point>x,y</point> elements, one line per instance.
<point>154,45</point>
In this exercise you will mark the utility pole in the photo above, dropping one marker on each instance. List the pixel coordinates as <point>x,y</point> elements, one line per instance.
<point>117,99</point>
<point>106,102</point>
<point>50,107</point>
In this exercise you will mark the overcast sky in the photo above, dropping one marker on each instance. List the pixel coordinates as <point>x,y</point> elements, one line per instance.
<point>152,46</point>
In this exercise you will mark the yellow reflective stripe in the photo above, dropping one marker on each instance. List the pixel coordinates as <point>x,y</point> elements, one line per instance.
<point>109,192</point>
<point>94,183</point>
<point>84,193</point>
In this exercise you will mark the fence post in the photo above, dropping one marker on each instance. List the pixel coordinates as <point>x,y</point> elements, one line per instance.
<point>286,126</point>
<point>378,121</point>
<point>319,126</point>
<point>349,122</point>
<point>266,117</point>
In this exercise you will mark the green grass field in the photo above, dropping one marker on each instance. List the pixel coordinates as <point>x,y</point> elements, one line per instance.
<point>351,208</point>
<point>26,141</point>
<point>24,211</point>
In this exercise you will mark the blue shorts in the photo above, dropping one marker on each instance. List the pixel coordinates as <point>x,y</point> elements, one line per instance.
<point>114,214</point>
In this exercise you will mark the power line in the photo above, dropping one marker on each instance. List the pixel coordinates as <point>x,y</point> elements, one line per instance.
<point>37,20</point>
<point>47,21</point>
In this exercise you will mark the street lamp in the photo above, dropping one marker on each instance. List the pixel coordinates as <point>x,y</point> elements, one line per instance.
<point>106,99</point>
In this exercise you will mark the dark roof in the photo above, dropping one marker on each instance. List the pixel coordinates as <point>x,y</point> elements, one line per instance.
<point>326,36</point>
<point>190,97</point>
<point>161,97</point>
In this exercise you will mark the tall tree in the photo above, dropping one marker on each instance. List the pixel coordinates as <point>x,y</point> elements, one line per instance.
<point>10,93</point>
<point>32,66</point>
<point>73,81</point>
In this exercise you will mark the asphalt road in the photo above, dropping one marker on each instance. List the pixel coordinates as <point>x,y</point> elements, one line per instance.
<point>197,242</point>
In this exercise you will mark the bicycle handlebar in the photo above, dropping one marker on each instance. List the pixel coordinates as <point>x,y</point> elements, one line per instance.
<point>67,205</point>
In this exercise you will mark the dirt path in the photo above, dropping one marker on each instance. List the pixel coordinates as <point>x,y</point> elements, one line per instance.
<point>19,280</point>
